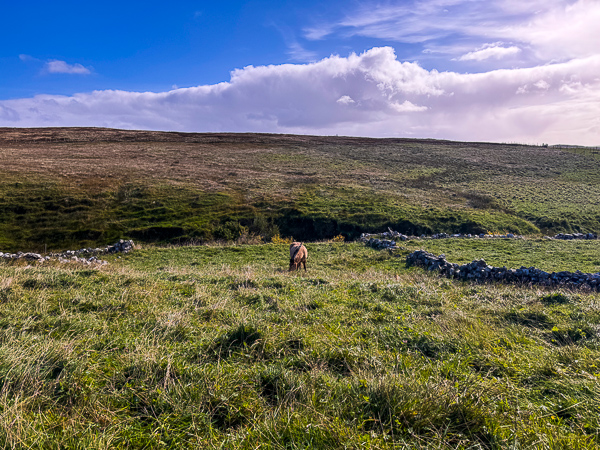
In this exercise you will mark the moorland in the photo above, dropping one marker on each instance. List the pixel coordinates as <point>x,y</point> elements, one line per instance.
<point>201,338</point>
<point>70,187</point>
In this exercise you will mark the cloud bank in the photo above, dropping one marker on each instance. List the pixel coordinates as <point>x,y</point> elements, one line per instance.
<point>370,94</point>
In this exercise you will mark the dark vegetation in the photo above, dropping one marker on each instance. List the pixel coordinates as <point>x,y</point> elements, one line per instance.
<point>79,187</point>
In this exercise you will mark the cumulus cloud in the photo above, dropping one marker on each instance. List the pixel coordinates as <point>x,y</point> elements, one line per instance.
<point>57,66</point>
<point>368,94</point>
<point>345,100</point>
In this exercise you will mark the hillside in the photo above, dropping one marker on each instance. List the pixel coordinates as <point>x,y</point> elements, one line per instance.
<point>71,187</point>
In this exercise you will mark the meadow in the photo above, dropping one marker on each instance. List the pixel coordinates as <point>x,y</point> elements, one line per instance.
<point>218,346</point>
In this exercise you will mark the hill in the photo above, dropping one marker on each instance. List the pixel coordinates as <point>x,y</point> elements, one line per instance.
<point>72,187</point>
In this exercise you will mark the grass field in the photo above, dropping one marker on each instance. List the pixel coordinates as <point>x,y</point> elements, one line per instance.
<point>218,346</point>
<point>221,347</point>
<point>67,188</point>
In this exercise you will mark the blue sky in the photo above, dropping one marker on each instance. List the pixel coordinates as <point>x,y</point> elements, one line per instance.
<point>499,70</point>
<point>155,45</point>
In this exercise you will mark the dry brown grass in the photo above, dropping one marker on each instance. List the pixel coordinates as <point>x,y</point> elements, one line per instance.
<point>362,182</point>
<point>227,161</point>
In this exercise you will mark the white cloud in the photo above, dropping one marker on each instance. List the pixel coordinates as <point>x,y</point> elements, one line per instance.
<point>415,20</point>
<point>407,106</point>
<point>490,51</point>
<point>57,66</point>
<point>551,30</point>
<point>345,100</point>
<point>567,30</point>
<point>371,94</point>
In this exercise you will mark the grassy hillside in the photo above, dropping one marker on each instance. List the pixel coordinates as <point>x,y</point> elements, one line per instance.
<point>219,347</point>
<point>74,187</point>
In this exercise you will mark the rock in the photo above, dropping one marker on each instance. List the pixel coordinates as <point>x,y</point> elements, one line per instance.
<point>31,256</point>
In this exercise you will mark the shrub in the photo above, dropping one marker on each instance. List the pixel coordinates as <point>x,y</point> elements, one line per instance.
<point>276,239</point>
<point>230,231</point>
<point>264,227</point>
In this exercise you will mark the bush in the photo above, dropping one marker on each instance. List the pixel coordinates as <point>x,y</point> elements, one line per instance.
<point>264,227</point>
<point>230,231</point>
<point>279,240</point>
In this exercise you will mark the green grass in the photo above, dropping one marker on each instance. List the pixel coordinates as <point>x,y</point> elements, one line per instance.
<point>60,216</point>
<point>221,347</point>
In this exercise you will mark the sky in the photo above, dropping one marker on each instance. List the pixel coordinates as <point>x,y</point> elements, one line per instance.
<point>508,71</point>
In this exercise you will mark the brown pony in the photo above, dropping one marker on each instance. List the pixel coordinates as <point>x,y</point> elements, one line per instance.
<point>298,255</point>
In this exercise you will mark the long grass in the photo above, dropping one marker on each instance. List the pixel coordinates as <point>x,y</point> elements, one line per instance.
<point>221,347</point>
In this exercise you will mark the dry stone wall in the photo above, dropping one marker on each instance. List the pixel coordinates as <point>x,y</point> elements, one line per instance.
<point>574,236</point>
<point>480,271</point>
<point>387,239</point>
<point>86,256</point>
